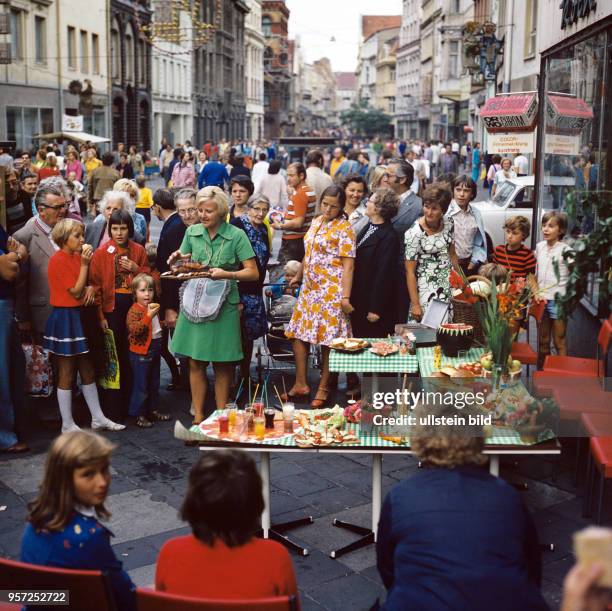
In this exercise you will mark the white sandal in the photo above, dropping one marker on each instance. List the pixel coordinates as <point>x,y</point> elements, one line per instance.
<point>107,425</point>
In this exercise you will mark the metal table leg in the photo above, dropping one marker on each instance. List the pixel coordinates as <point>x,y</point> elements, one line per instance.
<point>368,535</point>
<point>494,465</point>
<point>276,531</point>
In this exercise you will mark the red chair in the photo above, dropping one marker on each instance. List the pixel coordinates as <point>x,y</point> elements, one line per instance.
<point>574,366</point>
<point>522,351</point>
<point>600,464</point>
<point>88,589</point>
<point>153,600</point>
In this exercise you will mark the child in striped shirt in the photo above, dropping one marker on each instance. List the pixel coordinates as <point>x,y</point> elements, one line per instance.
<point>514,255</point>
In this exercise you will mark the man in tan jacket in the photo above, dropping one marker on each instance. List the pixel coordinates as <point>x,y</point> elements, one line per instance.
<point>102,180</point>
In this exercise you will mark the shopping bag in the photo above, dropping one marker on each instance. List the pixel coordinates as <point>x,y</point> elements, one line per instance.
<point>110,379</point>
<point>483,173</point>
<point>39,373</point>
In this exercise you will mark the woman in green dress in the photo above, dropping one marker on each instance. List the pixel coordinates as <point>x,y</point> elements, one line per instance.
<point>228,252</point>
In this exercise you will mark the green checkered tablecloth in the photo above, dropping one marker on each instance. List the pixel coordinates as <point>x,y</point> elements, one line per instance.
<point>367,362</point>
<point>425,357</point>
<point>499,436</point>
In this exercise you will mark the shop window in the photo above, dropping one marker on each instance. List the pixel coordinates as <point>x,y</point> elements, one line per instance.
<point>575,165</point>
<point>17,41</point>
<point>40,40</point>
<point>95,54</point>
<point>72,52</point>
<point>531,25</point>
<point>84,53</point>
<point>23,123</point>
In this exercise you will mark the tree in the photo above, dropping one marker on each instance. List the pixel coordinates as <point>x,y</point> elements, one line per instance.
<point>367,121</point>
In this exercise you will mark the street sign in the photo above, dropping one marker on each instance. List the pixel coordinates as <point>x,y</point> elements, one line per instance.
<point>510,143</point>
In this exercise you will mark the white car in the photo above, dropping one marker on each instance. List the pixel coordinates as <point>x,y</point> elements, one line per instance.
<point>513,197</point>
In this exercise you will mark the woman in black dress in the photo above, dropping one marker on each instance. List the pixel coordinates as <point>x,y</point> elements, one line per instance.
<point>375,275</point>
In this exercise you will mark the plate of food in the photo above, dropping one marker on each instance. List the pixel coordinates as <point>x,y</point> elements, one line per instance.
<point>384,348</point>
<point>324,427</point>
<point>349,344</point>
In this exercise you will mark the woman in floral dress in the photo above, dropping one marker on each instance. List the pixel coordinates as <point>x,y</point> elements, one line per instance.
<point>430,252</point>
<point>323,308</point>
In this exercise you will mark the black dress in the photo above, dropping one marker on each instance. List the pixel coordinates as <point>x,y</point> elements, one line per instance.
<point>374,280</point>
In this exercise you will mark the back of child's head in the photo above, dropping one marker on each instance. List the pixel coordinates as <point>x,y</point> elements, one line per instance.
<point>292,268</point>
<point>63,229</point>
<point>151,250</point>
<point>141,279</point>
<point>140,181</point>
<point>518,223</point>
<point>493,272</point>
<point>54,506</point>
<point>560,218</point>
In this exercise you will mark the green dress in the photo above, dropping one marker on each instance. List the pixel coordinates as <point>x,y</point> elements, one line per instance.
<point>218,340</point>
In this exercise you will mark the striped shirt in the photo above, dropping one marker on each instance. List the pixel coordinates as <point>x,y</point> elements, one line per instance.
<point>521,261</point>
<point>301,203</point>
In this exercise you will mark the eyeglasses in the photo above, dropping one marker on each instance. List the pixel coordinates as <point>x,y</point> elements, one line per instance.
<point>187,212</point>
<point>60,207</point>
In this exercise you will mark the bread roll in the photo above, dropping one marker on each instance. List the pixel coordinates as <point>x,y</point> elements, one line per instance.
<point>594,545</point>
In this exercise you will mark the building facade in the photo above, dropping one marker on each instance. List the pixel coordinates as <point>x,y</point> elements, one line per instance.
<point>254,88</point>
<point>346,92</point>
<point>385,75</point>
<point>57,66</point>
<point>129,68</point>
<point>277,70</point>
<point>172,77</point>
<point>218,87</point>
<point>408,71</point>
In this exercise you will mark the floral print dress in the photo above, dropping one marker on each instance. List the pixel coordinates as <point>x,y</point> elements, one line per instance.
<point>433,261</point>
<point>318,317</point>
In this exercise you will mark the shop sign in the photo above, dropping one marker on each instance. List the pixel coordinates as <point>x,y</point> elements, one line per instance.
<point>573,10</point>
<point>508,113</point>
<point>505,144</point>
<point>566,114</point>
<point>72,123</point>
<point>559,144</point>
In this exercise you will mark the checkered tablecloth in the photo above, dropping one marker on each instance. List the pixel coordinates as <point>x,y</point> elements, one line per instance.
<point>368,362</point>
<point>499,436</point>
<point>425,357</point>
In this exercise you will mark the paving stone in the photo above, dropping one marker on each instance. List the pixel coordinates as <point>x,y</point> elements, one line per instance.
<point>281,503</point>
<point>354,592</point>
<point>134,554</point>
<point>143,576</point>
<point>360,559</point>
<point>552,593</point>
<point>360,482</point>
<point>282,467</point>
<point>326,467</point>
<point>557,570</point>
<point>306,484</point>
<point>317,568</point>
<point>373,574</point>
<point>23,474</point>
<point>308,604</point>
<point>540,495</point>
<point>334,500</point>
<point>135,515</point>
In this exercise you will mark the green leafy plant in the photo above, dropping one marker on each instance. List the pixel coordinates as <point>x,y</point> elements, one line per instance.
<point>367,121</point>
<point>591,254</point>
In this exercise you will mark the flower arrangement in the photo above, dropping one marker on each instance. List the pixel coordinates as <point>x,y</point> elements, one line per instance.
<point>461,289</point>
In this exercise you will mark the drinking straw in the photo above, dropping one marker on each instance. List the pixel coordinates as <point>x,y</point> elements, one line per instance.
<point>284,387</point>
<point>239,390</point>
<point>250,390</point>
<point>279,397</point>
<point>255,394</point>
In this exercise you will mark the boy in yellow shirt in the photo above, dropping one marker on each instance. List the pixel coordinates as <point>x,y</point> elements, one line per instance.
<point>145,200</point>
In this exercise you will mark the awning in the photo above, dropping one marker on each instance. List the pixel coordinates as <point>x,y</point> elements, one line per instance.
<point>510,113</point>
<point>77,136</point>
<point>567,114</point>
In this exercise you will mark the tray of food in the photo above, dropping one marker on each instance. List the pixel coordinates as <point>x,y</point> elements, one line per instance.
<point>349,344</point>
<point>186,270</point>
<point>323,427</point>
<point>384,348</point>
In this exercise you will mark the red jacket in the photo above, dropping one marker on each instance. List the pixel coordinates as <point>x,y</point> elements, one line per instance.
<point>102,270</point>
<point>140,329</point>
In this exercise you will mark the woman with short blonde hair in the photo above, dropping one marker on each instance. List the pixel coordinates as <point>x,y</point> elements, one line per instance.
<point>453,536</point>
<point>64,528</point>
<point>217,195</point>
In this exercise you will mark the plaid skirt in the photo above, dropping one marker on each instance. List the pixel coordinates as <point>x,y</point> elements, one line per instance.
<point>64,333</point>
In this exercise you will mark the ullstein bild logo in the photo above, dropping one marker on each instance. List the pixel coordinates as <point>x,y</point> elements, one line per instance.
<point>574,10</point>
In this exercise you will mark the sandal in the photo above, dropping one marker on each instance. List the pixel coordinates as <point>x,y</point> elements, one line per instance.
<point>295,396</point>
<point>16,448</point>
<point>321,398</point>
<point>143,422</point>
<point>159,416</point>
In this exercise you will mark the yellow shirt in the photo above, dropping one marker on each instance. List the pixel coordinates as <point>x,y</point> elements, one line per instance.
<point>335,164</point>
<point>146,198</point>
<point>91,165</point>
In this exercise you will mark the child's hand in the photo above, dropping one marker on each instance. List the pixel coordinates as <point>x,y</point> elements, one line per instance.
<point>128,265</point>
<point>104,324</point>
<point>153,309</point>
<point>86,254</point>
<point>89,296</point>
<point>12,244</point>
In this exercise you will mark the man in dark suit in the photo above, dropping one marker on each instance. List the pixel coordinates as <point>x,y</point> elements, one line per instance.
<point>401,175</point>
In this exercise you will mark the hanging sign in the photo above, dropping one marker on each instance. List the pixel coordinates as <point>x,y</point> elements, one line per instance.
<point>72,123</point>
<point>566,114</point>
<point>510,143</point>
<point>510,113</point>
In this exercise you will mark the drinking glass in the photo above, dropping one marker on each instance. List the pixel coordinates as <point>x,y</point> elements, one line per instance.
<point>462,356</point>
<point>259,426</point>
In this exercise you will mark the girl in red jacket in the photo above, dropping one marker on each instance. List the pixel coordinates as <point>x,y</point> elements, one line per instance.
<point>145,340</point>
<point>113,268</point>
<point>64,336</point>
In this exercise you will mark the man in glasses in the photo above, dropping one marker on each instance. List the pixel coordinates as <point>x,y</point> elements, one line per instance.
<point>33,306</point>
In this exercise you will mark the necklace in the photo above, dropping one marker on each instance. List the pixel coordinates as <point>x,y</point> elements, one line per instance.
<point>208,254</point>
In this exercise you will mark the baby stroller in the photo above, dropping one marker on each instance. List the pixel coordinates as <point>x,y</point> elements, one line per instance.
<point>274,351</point>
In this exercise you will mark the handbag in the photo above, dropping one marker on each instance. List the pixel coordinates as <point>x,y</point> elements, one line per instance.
<point>110,377</point>
<point>39,373</point>
<point>202,298</point>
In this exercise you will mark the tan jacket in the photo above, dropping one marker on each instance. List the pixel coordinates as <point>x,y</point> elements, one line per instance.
<point>102,180</point>
<point>33,288</point>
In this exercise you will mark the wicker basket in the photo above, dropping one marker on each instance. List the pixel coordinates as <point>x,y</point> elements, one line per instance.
<point>467,313</point>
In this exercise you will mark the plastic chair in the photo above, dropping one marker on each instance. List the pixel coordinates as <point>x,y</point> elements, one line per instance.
<point>600,464</point>
<point>153,600</point>
<point>574,366</point>
<point>88,589</point>
<point>522,351</point>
